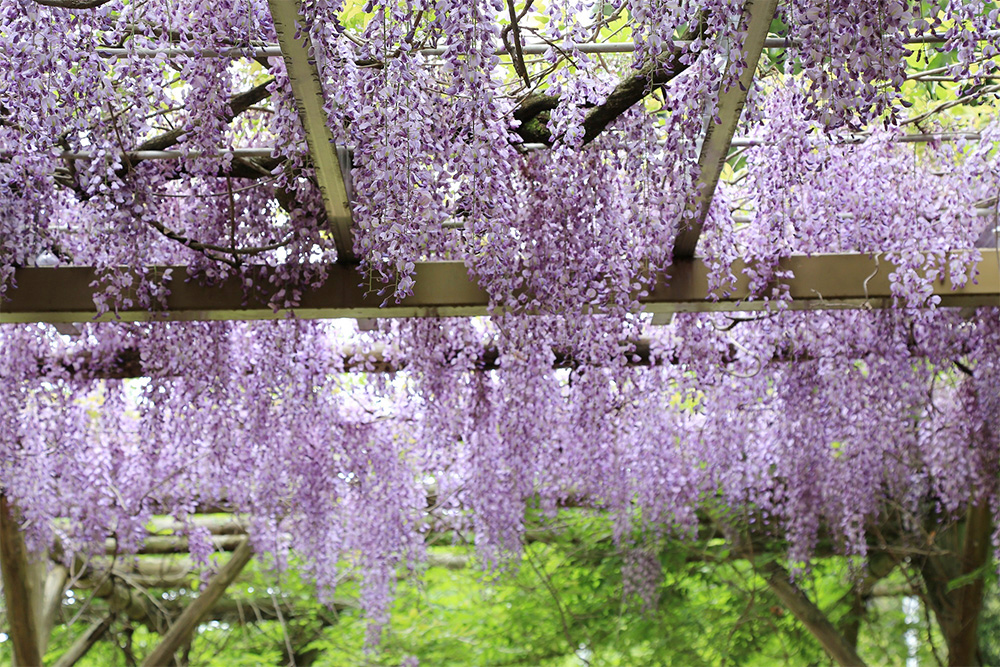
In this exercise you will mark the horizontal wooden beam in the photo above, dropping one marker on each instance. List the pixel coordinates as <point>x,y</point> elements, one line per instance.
<point>444,289</point>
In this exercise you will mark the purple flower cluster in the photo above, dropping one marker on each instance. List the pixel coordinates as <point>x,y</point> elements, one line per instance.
<point>349,446</point>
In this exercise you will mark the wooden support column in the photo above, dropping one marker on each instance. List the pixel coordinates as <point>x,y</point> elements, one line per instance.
<point>184,627</point>
<point>20,589</point>
<point>332,168</point>
<point>806,611</point>
<point>719,136</point>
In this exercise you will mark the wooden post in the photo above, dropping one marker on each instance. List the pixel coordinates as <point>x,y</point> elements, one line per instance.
<point>19,589</point>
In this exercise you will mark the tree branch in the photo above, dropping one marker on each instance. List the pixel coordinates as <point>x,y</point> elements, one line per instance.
<point>85,642</point>
<point>880,565</point>
<point>517,55</point>
<point>533,110</point>
<point>19,588</point>
<point>73,4</point>
<point>806,611</point>
<point>968,97</point>
<point>237,105</point>
<point>183,628</point>
<point>208,248</point>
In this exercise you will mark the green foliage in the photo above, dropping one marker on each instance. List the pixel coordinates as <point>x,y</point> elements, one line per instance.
<point>989,624</point>
<point>559,605</point>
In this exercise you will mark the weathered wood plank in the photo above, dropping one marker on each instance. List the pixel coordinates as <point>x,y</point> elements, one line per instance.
<point>444,289</point>
<point>719,136</point>
<point>308,91</point>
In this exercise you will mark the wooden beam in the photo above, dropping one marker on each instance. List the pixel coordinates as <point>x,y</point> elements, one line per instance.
<point>719,136</point>
<point>184,627</point>
<point>331,165</point>
<point>178,571</point>
<point>444,289</point>
<point>19,588</point>
<point>84,642</point>
<point>174,544</point>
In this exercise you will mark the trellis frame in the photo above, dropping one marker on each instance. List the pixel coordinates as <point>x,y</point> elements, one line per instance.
<point>444,289</point>
<point>64,295</point>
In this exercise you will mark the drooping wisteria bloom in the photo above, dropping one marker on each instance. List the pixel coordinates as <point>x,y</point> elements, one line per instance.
<point>348,446</point>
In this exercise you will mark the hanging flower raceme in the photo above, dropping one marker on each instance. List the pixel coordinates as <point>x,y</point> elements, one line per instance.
<point>346,447</point>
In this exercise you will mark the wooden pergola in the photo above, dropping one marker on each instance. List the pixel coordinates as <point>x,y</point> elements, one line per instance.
<point>442,289</point>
